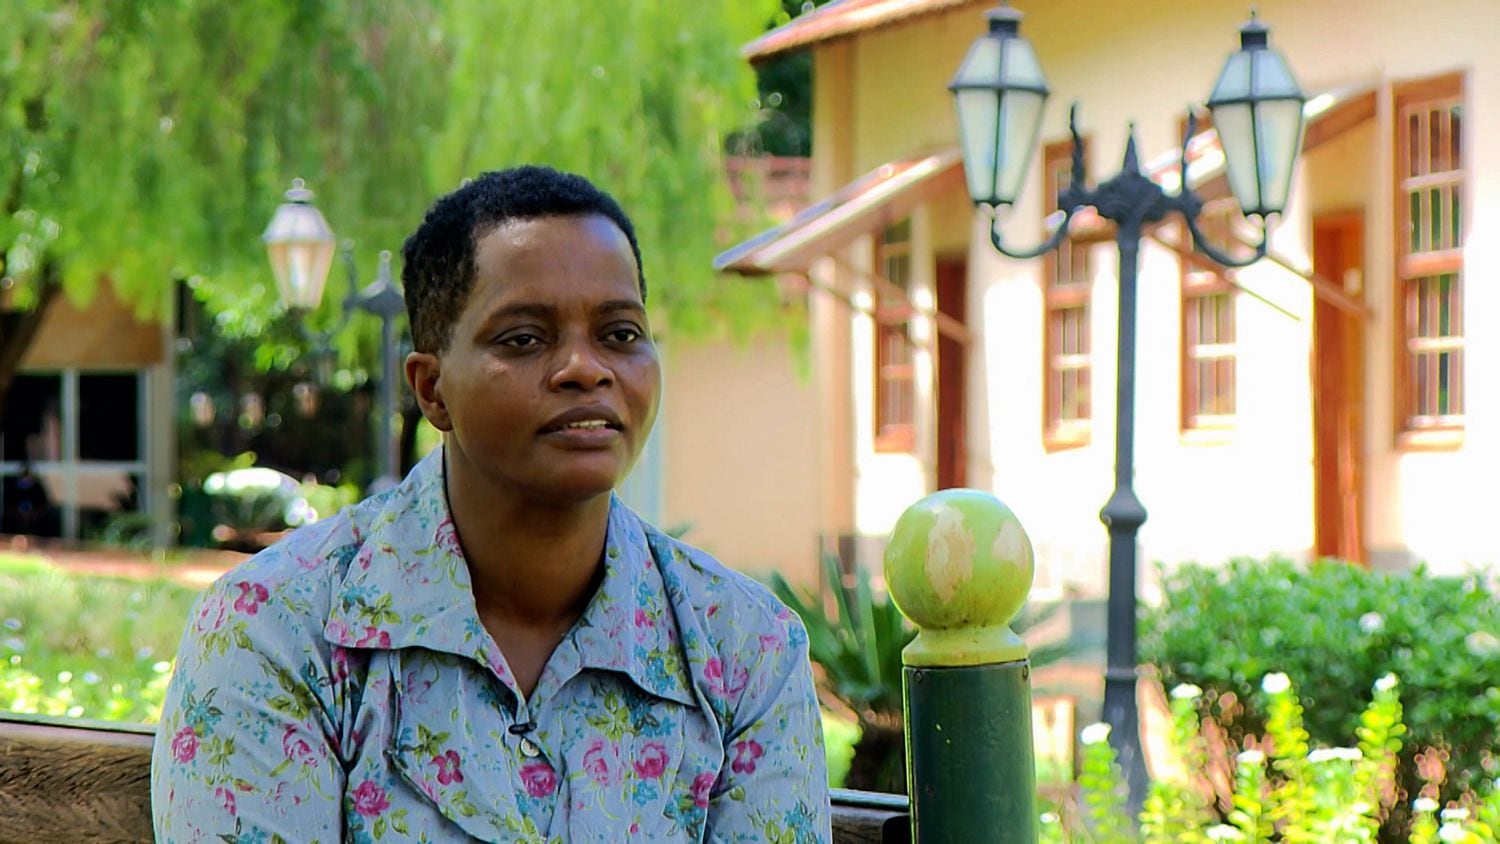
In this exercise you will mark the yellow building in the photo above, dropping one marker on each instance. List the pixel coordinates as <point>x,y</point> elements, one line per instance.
<point>1332,399</point>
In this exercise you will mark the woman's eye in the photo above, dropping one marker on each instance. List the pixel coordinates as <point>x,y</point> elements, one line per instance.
<point>520,341</point>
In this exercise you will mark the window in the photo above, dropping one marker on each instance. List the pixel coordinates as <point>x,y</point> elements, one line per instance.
<point>1429,255</point>
<point>1067,283</point>
<point>72,452</point>
<point>1208,324</point>
<point>895,383</point>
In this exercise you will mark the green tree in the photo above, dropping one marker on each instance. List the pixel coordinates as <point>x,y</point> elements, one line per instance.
<point>147,141</point>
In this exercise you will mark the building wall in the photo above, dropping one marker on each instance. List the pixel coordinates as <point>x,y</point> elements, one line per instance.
<point>739,452</point>
<point>1252,491</point>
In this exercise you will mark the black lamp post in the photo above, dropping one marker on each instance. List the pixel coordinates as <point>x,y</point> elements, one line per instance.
<point>1257,110</point>
<point>301,245</point>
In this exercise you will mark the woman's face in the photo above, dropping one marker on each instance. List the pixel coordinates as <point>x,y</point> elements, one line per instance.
<point>550,382</point>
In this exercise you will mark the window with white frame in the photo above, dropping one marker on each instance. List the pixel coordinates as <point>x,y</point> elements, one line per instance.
<point>72,451</point>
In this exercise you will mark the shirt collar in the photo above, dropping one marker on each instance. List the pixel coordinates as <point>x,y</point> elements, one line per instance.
<point>409,586</point>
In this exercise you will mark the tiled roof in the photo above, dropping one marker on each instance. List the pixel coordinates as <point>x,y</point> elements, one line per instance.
<point>886,193</point>
<point>841,19</point>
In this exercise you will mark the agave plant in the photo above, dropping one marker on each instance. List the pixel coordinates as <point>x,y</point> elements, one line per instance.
<point>858,647</point>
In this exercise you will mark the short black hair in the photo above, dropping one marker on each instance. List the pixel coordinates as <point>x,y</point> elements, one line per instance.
<point>438,259</point>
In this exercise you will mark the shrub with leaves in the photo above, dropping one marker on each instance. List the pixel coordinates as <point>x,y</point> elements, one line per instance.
<point>1291,793</point>
<point>1338,628</point>
<point>858,647</point>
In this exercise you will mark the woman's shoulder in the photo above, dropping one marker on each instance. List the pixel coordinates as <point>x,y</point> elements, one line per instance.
<point>292,581</point>
<point>731,603</point>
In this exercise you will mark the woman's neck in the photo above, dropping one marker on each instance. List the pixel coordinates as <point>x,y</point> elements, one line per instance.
<point>532,565</point>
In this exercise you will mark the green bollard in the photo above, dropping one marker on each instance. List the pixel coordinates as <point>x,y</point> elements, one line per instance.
<point>959,565</point>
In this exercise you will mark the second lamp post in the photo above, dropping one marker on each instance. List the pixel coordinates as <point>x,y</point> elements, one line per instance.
<point>301,245</point>
<point>1257,111</point>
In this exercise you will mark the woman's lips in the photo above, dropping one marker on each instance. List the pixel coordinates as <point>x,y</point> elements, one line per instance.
<point>583,438</point>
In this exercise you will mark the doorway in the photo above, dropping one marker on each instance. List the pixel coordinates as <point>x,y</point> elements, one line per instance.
<point>952,290</point>
<point>1338,380</point>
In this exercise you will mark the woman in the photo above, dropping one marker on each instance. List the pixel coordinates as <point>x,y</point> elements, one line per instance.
<point>498,648</point>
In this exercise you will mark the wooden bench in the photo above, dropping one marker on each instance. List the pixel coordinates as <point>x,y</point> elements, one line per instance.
<point>69,780</point>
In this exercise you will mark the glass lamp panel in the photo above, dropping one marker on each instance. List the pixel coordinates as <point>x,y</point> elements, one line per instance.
<point>978,109</point>
<point>1279,135</point>
<point>1020,119</point>
<point>1272,77</point>
<point>981,66</point>
<point>1020,68</point>
<point>1234,79</point>
<point>1233,124</point>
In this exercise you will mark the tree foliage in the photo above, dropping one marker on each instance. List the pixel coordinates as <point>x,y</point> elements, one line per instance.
<point>148,141</point>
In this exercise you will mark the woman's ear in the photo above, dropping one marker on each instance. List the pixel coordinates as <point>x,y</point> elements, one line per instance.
<point>424,374</point>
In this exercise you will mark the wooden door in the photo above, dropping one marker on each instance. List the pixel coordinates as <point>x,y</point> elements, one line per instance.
<point>952,456</point>
<point>1338,373</point>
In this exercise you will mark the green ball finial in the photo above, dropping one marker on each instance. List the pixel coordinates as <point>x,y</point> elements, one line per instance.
<point>959,565</point>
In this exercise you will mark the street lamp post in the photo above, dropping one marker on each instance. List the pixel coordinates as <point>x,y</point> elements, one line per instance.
<point>301,244</point>
<point>1256,104</point>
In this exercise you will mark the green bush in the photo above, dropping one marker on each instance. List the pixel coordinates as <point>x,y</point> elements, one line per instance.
<point>1338,628</point>
<point>1288,792</point>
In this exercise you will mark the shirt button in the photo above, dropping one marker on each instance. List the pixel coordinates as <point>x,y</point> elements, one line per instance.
<point>529,749</point>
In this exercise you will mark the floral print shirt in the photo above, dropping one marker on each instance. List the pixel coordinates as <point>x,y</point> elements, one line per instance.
<point>340,686</point>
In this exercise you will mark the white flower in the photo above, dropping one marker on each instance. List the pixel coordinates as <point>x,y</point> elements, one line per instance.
<point>1454,815</point>
<point>1424,805</point>
<point>1251,757</point>
<point>1329,754</point>
<point>1482,643</point>
<point>161,667</point>
<point>1386,683</point>
<point>1187,691</point>
<point>1276,683</point>
<point>75,712</point>
<point>1372,622</point>
<point>1224,832</point>
<point>1049,818</point>
<point>1094,733</point>
<point>1452,834</point>
<point>64,676</point>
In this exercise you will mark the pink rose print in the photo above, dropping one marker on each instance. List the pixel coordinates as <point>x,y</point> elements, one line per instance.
<point>642,619</point>
<point>771,643</point>
<point>446,538</point>
<point>211,608</point>
<point>226,799</point>
<point>185,745</point>
<point>703,784</point>
<point>539,778</point>
<point>745,754</point>
<point>369,799</point>
<point>296,748</point>
<point>448,772</point>
<point>652,762</point>
<point>738,678</point>
<point>596,762</point>
<point>252,595</point>
<point>374,637</point>
<point>340,664</point>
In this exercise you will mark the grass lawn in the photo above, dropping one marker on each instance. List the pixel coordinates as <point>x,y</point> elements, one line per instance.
<point>84,646</point>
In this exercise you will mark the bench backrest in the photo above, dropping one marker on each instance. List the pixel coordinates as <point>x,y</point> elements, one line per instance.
<point>63,780</point>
